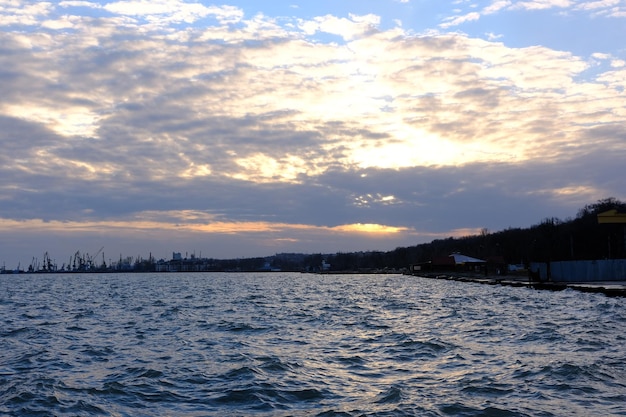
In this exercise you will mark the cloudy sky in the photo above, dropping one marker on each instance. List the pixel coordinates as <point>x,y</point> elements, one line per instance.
<point>251,128</point>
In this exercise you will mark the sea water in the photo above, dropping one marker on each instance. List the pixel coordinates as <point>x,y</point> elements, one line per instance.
<point>289,344</point>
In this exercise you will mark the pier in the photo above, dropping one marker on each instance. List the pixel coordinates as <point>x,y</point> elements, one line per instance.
<point>608,288</point>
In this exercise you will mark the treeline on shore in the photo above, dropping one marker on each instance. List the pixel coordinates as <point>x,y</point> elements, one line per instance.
<point>552,239</point>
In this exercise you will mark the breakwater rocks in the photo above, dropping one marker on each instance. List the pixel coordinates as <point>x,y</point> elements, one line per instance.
<point>609,288</point>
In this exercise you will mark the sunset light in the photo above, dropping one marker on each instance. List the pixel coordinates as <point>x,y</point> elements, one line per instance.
<point>308,127</point>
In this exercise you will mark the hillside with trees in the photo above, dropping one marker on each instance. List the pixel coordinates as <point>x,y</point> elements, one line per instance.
<point>552,239</point>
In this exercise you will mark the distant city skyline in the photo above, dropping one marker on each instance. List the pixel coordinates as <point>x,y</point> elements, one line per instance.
<point>245,129</point>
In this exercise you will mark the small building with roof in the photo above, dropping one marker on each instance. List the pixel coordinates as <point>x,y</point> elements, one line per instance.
<point>454,262</point>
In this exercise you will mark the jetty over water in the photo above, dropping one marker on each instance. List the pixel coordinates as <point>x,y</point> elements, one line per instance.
<point>609,288</point>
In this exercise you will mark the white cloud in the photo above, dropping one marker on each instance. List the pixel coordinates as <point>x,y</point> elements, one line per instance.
<point>493,36</point>
<point>24,13</point>
<point>600,55</point>
<point>603,8</point>
<point>618,63</point>
<point>496,6</point>
<point>364,82</point>
<point>88,4</point>
<point>542,4</point>
<point>173,11</point>
<point>593,5</point>
<point>458,20</point>
<point>348,29</point>
<point>64,22</point>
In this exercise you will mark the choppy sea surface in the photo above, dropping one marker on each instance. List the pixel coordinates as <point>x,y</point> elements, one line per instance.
<point>287,344</point>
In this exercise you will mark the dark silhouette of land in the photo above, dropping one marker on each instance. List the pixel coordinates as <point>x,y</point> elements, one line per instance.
<point>552,239</point>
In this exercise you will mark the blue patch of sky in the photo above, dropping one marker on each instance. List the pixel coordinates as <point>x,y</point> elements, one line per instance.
<point>578,34</point>
<point>412,15</point>
<point>575,32</point>
<point>86,11</point>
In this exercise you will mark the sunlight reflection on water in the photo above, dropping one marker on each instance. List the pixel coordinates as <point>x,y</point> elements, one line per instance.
<point>297,344</point>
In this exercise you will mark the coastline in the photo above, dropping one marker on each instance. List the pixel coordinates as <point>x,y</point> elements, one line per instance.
<point>608,288</point>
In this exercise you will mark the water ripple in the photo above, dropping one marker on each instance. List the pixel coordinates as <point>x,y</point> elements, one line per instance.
<point>291,344</point>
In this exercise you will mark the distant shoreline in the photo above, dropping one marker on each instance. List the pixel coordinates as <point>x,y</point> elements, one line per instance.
<point>608,288</point>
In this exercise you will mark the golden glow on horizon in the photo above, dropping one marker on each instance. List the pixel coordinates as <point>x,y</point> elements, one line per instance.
<point>189,221</point>
<point>370,228</point>
<point>580,193</point>
<point>186,223</point>
<point>576,190</point>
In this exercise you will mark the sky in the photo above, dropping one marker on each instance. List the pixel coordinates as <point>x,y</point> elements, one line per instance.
<point>244,129</point>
